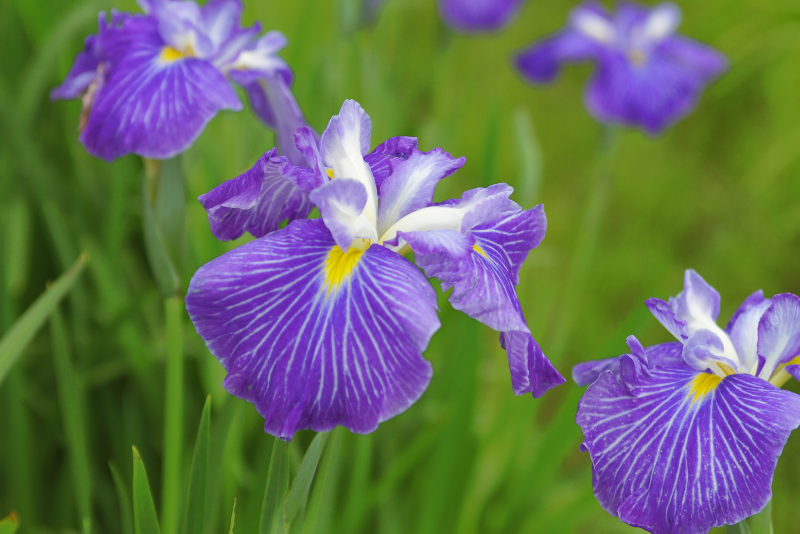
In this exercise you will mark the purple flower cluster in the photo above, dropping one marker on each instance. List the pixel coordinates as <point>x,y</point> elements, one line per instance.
<point>149,83</point>
<point>685,436</point>
<point>324,322</point>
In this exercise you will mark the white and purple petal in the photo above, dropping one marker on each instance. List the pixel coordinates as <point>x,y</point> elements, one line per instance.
<point>312,337</point>
<point>381,158</point>
<point>685,451</point>
<point>258,200</point>
<point>341,203</point>
<point>778,334</point>
<point>743,329</point>
<point>478,15</point>
<point>705,350</point>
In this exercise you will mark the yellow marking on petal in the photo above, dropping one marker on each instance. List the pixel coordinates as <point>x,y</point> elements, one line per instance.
<point>479,250</point>
<point>169,54</point>
<point>702,385</point>
<point>726,369</point>
<point>338,266</point>
<point>329,172</point>
<point>781,375</point>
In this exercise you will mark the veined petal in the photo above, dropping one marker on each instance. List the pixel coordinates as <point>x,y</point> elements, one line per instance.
<point>256,201</point>
<point>307,142</point>
<point>341,203</point>
<point>662,311</point>
<point>153,103</point>
<point>314,337</point>
<point>411,183</point>
<point>705,350</point>
<point>779,333</point>
<point>531,371</point>
<point>662,355</point>
<point>343,145</point>
<point>478,15</point>
<point>743,329</point>
<point>381,158</point>
<point>686,451</point>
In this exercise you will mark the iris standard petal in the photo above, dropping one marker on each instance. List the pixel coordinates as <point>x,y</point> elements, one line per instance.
<point>391,150</point>
<point>743,329</point>
<point>258,200</point>
<point>541,62</point>
<point>341,203</point>
<point>687,451</point>
<point>662,355</point>
<point>705,350</point>
<point>779,333</point>
<point>411,183</point>
<point>478,15</point>
<point>314,337</point>
<point>662,311</point>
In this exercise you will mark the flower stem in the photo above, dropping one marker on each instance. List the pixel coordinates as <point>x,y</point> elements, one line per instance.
<point>587,237</point>
<point>761,523</point>
<point>173,416</point>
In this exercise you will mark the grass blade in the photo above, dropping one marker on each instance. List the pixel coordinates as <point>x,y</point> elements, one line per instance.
<point>273,511</point>
<point>233,516</point>
<point>320,510</point>
<point>173,416</point>
<point>126,517</point>
<point>10,524</point>
<point>22,331</point>
<point>529,154</point>
<point>195,502</point>
<point>144,511</point>
<point>70,399</point>
<point>302,482</point>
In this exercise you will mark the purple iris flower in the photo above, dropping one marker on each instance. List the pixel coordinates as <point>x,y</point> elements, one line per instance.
<point>685,436</point>
<point>646,74</point>
<point>323,322</point>
<point>478,15</point>
<point>151,82</point>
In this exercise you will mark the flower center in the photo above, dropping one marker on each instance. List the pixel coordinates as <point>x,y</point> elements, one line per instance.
<point>339,266</point>
<point>637,57</point>
<point>170,54</point>
<point>702,385</point>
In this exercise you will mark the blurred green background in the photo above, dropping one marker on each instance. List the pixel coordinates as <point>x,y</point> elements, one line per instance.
<point>718,192</point>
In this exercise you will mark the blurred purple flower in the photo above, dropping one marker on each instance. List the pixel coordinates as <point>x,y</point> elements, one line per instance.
<point>685,436</point>
<point>646,74</point>
<point>151,82</point>
<point>324,322</point>
<point>478,15</point>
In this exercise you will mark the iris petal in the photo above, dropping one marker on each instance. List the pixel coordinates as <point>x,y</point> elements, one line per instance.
<point>307,357</point>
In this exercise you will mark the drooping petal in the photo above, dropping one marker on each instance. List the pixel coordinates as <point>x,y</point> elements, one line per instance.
<point>381,158</point>
<point>743,328</point>
<point>341,203</point>
<point>411,183</point>
<point>273,102</point>
<point>686,451</point>
<point>478,15</point>
<point>662,355</point>
<point>541,62</point>
<point>82,72</point>
<point>343,145</point>
<point>315,338</point>
<point>307,142</point>
<point>531,371</point>
<point>778,333</point>
<point>662,311</point>
<point>256,201</point>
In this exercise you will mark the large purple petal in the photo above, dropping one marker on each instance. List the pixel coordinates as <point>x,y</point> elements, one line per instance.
<point>743,328</point>
<point>411,183</point>
<point>685,451</point>
<point>779,333</point>
<point>381,158</point>
<point>256,201</point>
<point>478,15</point>
<point>313,337</point>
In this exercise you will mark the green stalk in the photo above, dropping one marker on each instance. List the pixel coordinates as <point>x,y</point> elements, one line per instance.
<point>587,237</point>
<point>761,523</point>
<point>173,417</point>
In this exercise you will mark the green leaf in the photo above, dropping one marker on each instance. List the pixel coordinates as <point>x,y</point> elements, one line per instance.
<point>273,511</point>
<point>196,500</point>
<point>70,399</point>
<point>320,509</point>
<point>302,482</point>
<point>124,500</point>
<point>10,524</point>
<point>164,222</point>
<point>173,416</point>
<point>22,331</point>
<point>233,516</point>
<point>529,154</point>
<point>761,523</point>
<point>144,511</point>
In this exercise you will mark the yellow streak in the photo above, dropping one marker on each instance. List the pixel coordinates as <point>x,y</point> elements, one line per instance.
<point>726,369</point>
<point>170,54</point>
<point>702,385</point>
<point>781,376</point>
<point>479,250</point>
<point>329,172</point>
<point>338,267</point>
